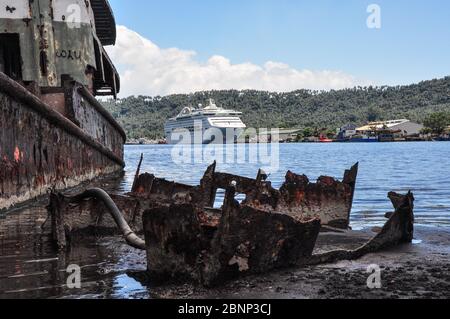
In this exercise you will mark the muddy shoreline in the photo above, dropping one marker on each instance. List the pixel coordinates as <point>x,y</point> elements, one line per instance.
<point>421,270</point>
<point>31,268</point>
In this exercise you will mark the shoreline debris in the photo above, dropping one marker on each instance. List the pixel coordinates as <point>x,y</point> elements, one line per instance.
<point>182,245</point>
<point>328,200</point>
<point>187,239</point>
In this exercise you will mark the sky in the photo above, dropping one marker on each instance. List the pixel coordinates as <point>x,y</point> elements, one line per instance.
<point>182,46</point>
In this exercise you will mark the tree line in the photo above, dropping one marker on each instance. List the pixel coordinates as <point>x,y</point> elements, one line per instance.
<point>427,102</point>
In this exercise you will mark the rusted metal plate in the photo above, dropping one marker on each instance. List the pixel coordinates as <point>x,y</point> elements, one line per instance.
<point>398,230</point>
<point>41,149</point>
<point>328,199</point>
<point>245,241</point>
<point>210,246</point>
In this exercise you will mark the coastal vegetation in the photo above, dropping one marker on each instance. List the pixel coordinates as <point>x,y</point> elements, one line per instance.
<point>427,102</point>
<point>437,123</point>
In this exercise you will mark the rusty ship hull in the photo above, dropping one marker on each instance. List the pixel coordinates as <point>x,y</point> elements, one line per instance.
<point>41,149</point>
<point>54,133</point>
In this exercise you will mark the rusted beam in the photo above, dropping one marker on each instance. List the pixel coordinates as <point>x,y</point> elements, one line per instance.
<point>398,230</point>
<point>138,171</point>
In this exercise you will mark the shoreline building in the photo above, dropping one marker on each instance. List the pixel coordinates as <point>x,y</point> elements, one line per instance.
<point>382,131</point>
<point>346,132</point>
<point>391,130</point>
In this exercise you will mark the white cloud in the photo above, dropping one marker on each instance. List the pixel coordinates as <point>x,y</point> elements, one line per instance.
<point>150,70</point>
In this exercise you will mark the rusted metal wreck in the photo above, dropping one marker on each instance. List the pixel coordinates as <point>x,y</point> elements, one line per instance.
<point>53,132</point>
<point>328,200</point>
<point>186,238</point>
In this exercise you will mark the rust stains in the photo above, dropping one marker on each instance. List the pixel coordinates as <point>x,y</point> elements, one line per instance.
<point>187,239</point>
<point>17,154</point>
<point>240,240</point>
<point>328,200</point>
<point>41,149</point>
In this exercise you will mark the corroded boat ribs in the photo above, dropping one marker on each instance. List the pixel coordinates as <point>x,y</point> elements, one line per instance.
<point>328,200</point>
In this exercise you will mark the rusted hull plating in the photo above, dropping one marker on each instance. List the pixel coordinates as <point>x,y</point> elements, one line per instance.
<point>249,241</point>
<point>328,200</point>
<point>182,244</point>
<point>186,239</point>
<point>41,148</point>
<point>212,246</point>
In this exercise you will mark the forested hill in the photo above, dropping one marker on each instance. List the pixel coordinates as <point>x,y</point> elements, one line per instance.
<point>145,116</point>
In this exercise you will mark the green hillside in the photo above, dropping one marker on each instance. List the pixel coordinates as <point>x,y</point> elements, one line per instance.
<point>145,116</point>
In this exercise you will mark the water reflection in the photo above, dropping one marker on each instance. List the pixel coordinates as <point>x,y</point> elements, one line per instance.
<point>31,268</point>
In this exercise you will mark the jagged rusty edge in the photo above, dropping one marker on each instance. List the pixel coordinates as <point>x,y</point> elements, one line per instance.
<point>246,241</point>
<point>301,198</point>
<point>350,177</point>
<point>398,230</point>
<point>260,194</point>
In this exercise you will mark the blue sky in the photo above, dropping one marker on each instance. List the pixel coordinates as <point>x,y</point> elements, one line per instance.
<point>413,43</point>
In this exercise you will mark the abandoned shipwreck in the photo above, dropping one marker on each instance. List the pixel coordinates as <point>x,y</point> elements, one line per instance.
<point>186,238</point>
<point>55,135</point>
<point>53,132</point>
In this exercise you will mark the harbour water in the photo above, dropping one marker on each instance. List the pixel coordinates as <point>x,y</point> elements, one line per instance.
<point>422,168</point>
<point>31,268</point>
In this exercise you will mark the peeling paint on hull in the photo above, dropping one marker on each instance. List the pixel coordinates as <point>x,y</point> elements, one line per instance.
<point>41,148</point>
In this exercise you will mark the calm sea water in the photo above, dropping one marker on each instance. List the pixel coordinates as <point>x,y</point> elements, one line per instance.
<point>423,168</point>
<point>31,268</point>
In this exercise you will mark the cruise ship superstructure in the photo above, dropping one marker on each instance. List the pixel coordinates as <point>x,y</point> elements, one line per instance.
<point>205,125</point>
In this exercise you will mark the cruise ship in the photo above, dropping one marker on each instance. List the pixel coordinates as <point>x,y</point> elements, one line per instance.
<point>205,125</point>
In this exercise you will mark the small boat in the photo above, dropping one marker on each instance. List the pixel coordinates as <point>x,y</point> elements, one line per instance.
<point>442,139</point>
<point>364,139</point>
<point>324,139</point>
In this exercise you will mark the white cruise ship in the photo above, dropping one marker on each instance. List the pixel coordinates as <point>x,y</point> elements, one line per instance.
<point>211,124</point>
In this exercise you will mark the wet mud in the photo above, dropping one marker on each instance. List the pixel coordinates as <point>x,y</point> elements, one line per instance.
<point>30,267</point>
